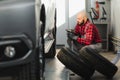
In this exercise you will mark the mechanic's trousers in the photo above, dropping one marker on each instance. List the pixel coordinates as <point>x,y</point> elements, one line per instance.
<point>78,47</point>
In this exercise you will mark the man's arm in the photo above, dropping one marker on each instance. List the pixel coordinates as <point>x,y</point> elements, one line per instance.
<point>76,30</point>
<point>88,37</point>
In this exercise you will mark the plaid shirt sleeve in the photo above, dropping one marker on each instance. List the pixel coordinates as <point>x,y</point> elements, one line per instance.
<point>88,36</point>
<point>76,29</point>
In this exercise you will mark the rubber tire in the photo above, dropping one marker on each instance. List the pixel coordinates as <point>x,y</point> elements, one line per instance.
<point>71,60</point>
<point>100,63</point>
<point>52,52</point>
<point>42,60</point>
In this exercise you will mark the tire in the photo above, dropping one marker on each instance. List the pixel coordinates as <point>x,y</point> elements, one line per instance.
<point>100,63</point>
<point>43,18</point>
<point>71,60</point>
<point>42,61</point>
<point>52,52</point>
<point>53,49</point>
<point>41,50</point>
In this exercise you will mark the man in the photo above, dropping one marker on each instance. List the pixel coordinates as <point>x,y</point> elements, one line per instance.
<point>84,35</point>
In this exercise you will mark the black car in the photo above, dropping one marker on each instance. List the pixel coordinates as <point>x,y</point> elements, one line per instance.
<point>24,39</point>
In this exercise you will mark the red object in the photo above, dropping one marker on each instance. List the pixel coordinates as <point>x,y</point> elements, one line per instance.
<point>97,8</point>
<point>88,32</point>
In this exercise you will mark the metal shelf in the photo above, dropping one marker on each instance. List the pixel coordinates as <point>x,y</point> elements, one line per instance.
<point>96,22</point>
<point>101,24</point>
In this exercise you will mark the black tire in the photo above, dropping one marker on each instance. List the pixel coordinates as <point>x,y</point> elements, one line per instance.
<point>53,49</point>
<point>42,60</point>
<point>52,52</point>
<point>75,63</point>
<point>100,63</point>
<point>43,18</point>
<point>42,43</point>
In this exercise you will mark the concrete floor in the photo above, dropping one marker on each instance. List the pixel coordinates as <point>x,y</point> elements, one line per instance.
<point>55,70</point>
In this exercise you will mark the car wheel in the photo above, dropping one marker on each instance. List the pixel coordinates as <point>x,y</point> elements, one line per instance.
<point>52,52</point>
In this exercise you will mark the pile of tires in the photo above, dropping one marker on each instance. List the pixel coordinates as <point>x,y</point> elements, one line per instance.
<point>86,62</point>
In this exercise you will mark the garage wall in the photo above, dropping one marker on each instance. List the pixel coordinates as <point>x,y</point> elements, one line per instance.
<point>62,21</point>
<point>115,16</point>
<point>66,17</point>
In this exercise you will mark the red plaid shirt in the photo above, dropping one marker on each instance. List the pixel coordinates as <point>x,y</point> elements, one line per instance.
<point>88,34</point>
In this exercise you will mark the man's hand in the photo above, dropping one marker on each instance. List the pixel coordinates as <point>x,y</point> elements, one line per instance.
<point>70,30</point>
<point>72,36</point>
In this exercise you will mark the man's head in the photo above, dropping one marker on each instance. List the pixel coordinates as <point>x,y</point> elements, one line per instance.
<point>81,17</point>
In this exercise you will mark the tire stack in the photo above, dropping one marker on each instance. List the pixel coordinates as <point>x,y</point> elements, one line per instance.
<point>86,62</point>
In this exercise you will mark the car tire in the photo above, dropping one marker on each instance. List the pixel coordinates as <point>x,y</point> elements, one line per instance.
<point>75,63</point>
<point>100,63</point>
<point>52,52</point>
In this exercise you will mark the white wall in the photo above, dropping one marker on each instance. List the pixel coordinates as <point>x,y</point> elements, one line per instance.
<point>62,21</point>
<point>115,16</point>
<point>66,17</point>
<point>75,6</point>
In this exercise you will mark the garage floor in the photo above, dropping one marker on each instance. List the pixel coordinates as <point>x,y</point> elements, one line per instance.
<point>55,70</point>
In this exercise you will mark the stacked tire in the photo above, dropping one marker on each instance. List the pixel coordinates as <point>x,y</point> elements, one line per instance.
<point>100,63</point>
<point>77,64</point>
<point>86,62</point>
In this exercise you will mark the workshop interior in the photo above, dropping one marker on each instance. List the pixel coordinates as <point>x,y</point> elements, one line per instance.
<point>35,35</point>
